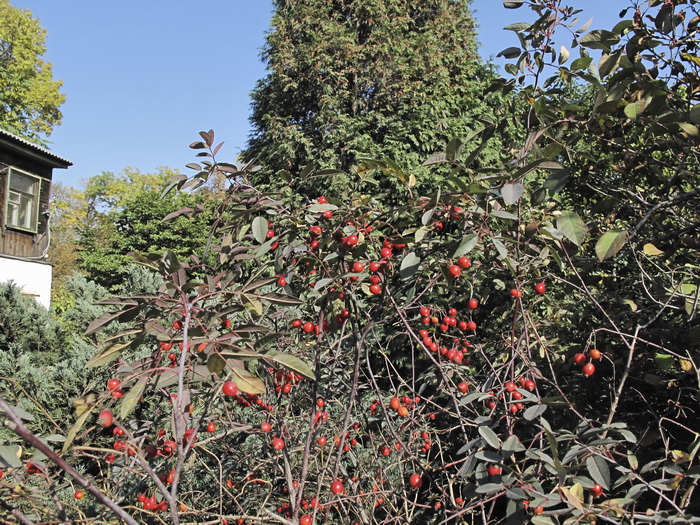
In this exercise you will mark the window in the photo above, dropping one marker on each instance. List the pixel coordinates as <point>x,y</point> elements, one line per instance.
<point>22,202</point>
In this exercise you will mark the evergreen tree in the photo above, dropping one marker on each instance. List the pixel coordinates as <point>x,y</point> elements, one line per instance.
<point>355,78</point>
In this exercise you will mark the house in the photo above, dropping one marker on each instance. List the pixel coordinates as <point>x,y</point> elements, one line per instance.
<point>25,187</point>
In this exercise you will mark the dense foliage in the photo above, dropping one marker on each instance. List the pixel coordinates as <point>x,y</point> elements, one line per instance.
<point>29,96</point>
<point>519,345</point>
<point>389,79</point>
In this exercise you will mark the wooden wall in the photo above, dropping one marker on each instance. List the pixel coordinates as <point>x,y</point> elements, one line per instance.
<point>15,242</point>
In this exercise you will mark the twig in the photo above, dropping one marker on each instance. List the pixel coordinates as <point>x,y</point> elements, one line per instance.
<point>18,428</point>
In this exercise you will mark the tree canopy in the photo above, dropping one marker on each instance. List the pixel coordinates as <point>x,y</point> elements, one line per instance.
<point>350,79</point>
<point>29,96</point>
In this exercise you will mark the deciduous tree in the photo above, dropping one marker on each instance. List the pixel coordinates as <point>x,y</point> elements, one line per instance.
<point>29,96</point>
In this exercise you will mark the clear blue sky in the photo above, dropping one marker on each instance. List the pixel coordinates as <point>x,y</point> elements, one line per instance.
<point>143,77</point>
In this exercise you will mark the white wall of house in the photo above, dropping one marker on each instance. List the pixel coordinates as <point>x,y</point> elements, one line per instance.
<point>33,277</point>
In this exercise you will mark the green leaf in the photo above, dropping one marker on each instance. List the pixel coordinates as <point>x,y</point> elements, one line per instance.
<point>73,432</point>
<point>246,381</point>
<point>409,265</point>
<point>277,298</point>
<point>10,456</point>
<point>510,52</point>
<point>610,243</point>
<point>563,55</point>
<point>534,411</point>
<point>511,193</point>
<point>252,304</point>
<point>556,181</point>
<point>581,63</point>
<point>216,364</point>
<point>599,39</point>
<point>689,129</point>
<point>259,229</point>
<point>513,4</point>
<point>634,109</point>
<point>488,488</point>
<point>501,214</point>
<point>107,355</point>
<point>501,248</point>
<point>131,400</point>
<point>598,469</point>
<point>453,149</point>
<point>293,363</point>
<point>572,226</point>
<point>466,245</point>
<point>490,437</point>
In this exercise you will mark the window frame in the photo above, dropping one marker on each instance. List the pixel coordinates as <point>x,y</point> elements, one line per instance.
<point>37,200</point>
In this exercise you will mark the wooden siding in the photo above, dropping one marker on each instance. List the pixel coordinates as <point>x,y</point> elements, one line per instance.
<point>16,242</point>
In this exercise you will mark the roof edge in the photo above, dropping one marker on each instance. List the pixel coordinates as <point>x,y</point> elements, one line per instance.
<point>20,144</point>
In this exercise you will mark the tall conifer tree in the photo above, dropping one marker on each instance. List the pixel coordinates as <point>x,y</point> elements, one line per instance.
<point>354,78</point>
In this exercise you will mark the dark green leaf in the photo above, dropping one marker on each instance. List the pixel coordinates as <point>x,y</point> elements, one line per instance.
<point>610,243</point>
<point>598,468</point>
<point>570,224</point>
<point>409,265</point>
<point>259,229</point>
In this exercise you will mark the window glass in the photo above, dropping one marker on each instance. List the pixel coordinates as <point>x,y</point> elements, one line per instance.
<point>22,201</point>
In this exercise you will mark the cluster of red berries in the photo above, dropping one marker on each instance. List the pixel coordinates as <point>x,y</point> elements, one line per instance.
<point>310,327</point>
<point>588,368</point>
<point>152,504</point>
<point>514,405</point>
<point>285,380</point>
<point>455,270</point>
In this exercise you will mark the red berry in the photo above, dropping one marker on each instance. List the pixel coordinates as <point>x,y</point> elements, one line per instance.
<point>305,520</point>
<point>211,427</point>
<point>463,387</point>
<point>309,327</point>
<point>322,441</point>
<point>594,353</point>
<point>296,323</point>
<point>358,267</point>
<point>375,289</point>
<point>415,481</point>
<point>230,388</point>
<point>579,358</point>
<point>455,271</point>
<point>471,325</point>
<point>424,311</point>
<point>516,293</point>
<point>510,386</point>
<point>494,470</point>
<point>117,393</point>
<point>106,418</point>
<point>596,490</point>
<point>322,200</point>
<point>540,287</point>
<point>282,281</point>
<point>270,234</point>
<point>79,494</point>
<point>351,240</point>
<point>337,487</point>
<point>473,303</point>
<point>328,214</point>
<point>265,427</point>
<point>386,253</point>
<point>277,443</point>
<point>588,369</point>
<point>464,262</point>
